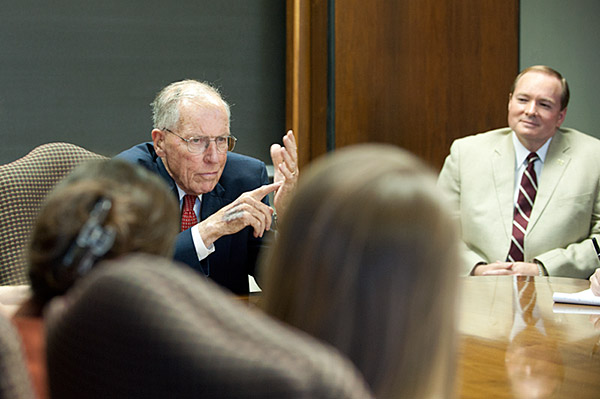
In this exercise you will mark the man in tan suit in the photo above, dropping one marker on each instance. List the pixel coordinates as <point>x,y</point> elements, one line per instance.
<point>483,174</point>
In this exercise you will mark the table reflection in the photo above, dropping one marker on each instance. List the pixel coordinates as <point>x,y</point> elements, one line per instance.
<point>515,344</point>
<point>533,361</point>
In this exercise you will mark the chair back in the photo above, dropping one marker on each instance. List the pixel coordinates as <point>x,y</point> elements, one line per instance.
<point>24,184</point>
<point>14,376</point>
<point>145,327</point>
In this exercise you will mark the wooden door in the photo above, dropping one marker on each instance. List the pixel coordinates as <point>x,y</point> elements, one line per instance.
<point>417,74</point>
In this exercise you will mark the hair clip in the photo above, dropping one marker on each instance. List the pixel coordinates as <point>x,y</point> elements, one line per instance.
<point>93,241</point>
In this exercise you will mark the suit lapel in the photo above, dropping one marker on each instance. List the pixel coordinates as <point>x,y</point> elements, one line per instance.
<point>555,165</point>
<point>212,202</point>
<point>503,169</point>
<point>162,171</point>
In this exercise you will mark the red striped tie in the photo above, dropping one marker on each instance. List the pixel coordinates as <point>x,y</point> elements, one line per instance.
<point>188,216</point>
<point>527,192</point>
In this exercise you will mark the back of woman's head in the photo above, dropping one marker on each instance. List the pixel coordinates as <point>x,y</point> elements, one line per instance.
<point>102,210</point>
<point>366,260</point>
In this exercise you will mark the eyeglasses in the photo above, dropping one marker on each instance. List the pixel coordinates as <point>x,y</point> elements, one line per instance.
<point>199,144</point>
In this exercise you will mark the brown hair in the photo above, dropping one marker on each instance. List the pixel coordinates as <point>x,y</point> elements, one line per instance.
<point>565,94</point>
<point>366,259</point>
<point>143,215</point>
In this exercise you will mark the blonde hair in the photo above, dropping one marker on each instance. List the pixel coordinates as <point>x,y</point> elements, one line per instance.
<point>366,260</point>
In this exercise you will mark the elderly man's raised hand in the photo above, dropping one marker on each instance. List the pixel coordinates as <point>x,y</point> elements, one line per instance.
<point>285,162</point>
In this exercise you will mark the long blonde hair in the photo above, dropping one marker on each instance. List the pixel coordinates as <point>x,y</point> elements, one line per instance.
<point>366,259</point>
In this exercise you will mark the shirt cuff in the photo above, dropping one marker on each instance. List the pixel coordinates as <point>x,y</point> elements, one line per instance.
<point>201,249</point>
<point>472,273</point>
<point>541,268</point>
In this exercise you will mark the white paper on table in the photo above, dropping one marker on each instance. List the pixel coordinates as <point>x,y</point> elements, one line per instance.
<point>575,309</point>
<point>585,297</point>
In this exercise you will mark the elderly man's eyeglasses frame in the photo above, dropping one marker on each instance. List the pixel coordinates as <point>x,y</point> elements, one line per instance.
<point>199,144</point>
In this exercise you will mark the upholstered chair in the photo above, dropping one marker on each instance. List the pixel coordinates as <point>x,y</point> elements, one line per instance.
<point>145,327</point>
<point>24,184</point>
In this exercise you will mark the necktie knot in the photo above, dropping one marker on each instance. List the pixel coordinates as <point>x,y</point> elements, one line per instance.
<point>532,157</point>
<point>189,200</point>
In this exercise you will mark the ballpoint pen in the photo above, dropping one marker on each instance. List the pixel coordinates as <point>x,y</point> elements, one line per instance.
<point>596,247</point>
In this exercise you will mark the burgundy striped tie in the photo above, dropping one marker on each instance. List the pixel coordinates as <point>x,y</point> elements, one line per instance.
<point>527,192</point>
<point>188,216</point>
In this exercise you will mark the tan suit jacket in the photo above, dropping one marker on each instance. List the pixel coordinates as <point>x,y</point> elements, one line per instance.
<point>479,178</point>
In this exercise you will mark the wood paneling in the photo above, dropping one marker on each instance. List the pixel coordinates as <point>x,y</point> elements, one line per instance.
<point>416,74</point>
<point>306,94</point>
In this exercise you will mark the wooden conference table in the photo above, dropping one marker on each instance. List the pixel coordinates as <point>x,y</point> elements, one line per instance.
<point>528,347</point>
<point>509,350</point>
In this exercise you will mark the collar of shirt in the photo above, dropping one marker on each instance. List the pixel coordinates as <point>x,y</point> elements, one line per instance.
<point>521,153</point>
<point>182,194</point>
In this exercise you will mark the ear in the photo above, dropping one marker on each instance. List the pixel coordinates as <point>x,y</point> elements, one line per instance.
<point>158,138</point>
<point>509,98</point>
<point>561,117</point>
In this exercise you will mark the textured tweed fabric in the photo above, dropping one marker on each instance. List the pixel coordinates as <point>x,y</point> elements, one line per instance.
<point>14,377</point>
<point>144,327</point>
<point>24,184</point>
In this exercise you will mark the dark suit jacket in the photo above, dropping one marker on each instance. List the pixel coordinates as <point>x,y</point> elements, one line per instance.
<point>235,255</point>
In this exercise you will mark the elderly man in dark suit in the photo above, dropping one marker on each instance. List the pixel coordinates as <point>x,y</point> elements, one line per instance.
<point>223,195</point>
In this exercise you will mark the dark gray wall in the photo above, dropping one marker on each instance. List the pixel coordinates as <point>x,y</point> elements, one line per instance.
<point>85,72</point>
